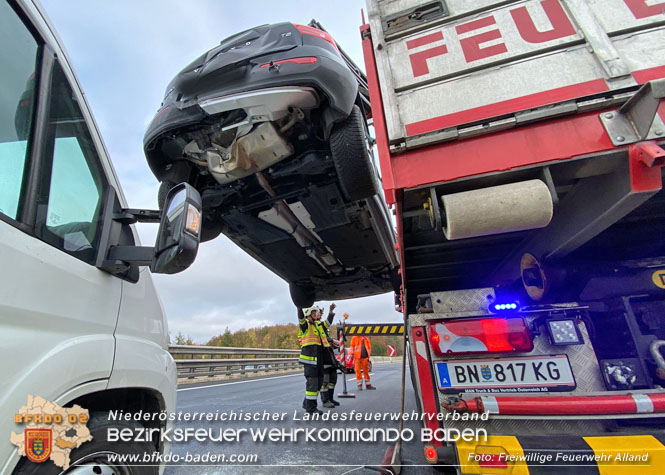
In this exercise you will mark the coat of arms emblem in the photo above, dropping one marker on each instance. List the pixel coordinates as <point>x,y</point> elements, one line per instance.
<point>485,372</point>
<point>38,444</point>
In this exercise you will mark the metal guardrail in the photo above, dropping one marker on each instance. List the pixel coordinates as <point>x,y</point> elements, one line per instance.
<point>228,361</point>
<point>191,360</point>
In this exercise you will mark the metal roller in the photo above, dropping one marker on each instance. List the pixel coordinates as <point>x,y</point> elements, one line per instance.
<point>497,209</point>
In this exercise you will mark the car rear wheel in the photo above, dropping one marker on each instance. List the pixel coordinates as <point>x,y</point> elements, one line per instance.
<point>164,188</point>
<point>302,295</point>
<point>350,147</point>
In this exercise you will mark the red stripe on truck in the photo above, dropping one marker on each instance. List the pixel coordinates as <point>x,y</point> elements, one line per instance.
<point>378,116</point>
<point>536,143</point>
<point>506,107</point>
<point>541,142</point>
<point>424,373</point>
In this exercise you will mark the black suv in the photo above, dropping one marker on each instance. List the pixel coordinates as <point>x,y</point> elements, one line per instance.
<point>271,127</point>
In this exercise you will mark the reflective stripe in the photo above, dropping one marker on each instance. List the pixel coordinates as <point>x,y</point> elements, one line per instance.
<point>322,332</point>
<point>313,336</point>
<point>643,403</point>
<point>490,404</point>
<point>309,339</point>
<point>312,398</point>
<point>305,357</point>
<point>331,386</point>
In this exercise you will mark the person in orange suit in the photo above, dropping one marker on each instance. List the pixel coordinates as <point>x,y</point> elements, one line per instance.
<point>362,350</point>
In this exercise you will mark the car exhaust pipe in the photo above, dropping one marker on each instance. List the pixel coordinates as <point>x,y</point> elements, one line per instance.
<point>313,245</point>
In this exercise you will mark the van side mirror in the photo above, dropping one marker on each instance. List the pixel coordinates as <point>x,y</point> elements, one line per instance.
<point>179,231</point>
<point>177,239</point>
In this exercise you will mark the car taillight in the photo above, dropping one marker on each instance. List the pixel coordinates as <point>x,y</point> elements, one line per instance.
<point>324,35</point>
<point>480,335</point>
<point>303,60</point>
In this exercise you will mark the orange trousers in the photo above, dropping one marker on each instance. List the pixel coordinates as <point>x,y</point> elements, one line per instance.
<point>362,369</point>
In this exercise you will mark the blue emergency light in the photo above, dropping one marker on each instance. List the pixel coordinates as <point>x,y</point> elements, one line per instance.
<point>503,307</point>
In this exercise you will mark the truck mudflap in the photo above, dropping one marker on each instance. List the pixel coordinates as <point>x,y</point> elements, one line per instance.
<point>536,454</point>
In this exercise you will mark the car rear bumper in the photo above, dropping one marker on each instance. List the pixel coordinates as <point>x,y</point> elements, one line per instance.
<point>329,76</point>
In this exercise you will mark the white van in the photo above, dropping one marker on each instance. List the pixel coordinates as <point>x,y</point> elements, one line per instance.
<point>80,321</point>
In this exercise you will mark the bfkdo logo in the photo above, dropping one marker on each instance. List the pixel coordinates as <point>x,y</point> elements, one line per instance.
<point>38,444</point>
<point>50,431</point>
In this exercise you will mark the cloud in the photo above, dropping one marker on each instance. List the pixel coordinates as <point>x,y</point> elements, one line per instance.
<point>125,53</point>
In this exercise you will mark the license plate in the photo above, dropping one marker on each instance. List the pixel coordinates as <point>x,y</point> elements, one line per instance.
<point>533,374</point>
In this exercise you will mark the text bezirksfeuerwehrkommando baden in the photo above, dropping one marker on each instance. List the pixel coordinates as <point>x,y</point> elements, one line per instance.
<point>290,434</point>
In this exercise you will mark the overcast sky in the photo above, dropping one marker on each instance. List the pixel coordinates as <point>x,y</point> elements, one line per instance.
<point>125,52</point>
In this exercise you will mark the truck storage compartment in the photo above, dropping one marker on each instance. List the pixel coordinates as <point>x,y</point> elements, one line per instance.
<point>477,61</point>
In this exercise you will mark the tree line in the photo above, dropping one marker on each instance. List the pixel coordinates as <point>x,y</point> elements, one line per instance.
<point>283,337</point>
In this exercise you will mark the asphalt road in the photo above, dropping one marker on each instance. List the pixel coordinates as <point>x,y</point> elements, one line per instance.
<point>281,397</point>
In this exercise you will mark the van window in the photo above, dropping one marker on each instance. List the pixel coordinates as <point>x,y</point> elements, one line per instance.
<point>18,59</point>
<point>69,214</point>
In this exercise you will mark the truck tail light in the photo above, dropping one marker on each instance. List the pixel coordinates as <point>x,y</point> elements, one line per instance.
<point>480,335</point>
<point>430,454</point>
<point>492,460</point>
<point>491,456</point>
<point>324,35</point>
<point>303,60</point>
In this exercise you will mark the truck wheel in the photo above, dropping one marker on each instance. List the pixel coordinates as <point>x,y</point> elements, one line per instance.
<point>302,295</point>
<point>95,456</point>
<point>351,154</point>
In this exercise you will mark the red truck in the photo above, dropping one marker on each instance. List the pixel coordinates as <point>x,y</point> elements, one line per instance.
<point>520,145</point>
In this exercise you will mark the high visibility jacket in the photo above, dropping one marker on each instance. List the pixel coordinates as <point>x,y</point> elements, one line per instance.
<point>356,346</point>
<point>312,337</point>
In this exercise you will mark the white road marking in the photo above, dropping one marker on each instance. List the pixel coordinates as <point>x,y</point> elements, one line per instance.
<point>253,381</point>
<point>241,382</point>
<point>353,378</point>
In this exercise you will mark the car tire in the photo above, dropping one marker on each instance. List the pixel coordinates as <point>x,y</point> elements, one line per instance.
<point>351,155</point>
<point>302,295</point>
<point>164,188</point>
<point>95,453</point>
<point>209,229</point>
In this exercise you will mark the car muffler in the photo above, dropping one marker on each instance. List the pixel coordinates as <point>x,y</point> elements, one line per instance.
<point>497,209</point>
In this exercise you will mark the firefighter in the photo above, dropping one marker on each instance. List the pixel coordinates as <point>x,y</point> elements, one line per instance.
<point>361,348</point>
<point>312,337</point>
<point>329,369</point>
